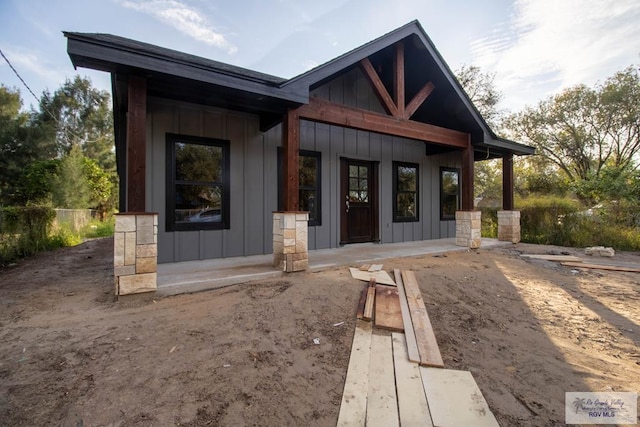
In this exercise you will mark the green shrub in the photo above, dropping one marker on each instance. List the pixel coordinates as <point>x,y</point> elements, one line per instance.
<point>547,220</point>
<point>63,236</point>
<point>24,231</point>
<point>99,229</point>
<point>489,222</point>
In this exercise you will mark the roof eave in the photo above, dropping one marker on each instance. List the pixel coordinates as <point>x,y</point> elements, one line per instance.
<point>85,52</point>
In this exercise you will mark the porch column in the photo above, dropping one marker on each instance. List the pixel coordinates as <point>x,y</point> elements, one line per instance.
<point>508,218</point>
<point>468,220</point>
<point>136,144</point>
<point>290,240</point>
<point>135,241</point>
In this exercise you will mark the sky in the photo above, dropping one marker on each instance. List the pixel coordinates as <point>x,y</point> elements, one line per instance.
<point>536,48</point>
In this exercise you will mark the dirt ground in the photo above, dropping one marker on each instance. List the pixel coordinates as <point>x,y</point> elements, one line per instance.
<point>528,330</point>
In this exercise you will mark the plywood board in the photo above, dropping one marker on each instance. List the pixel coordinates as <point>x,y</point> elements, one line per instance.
<point>413,409</point>
<point>455,399</point>
<point>353,409</point>
<point>602,267</point>
<point>425,338</point>
<point>382,409</point>
<point>375,267</point>
<point>387,308</point>
<point>553,257</point>
<point>382,277</point>
<point>410,336</point>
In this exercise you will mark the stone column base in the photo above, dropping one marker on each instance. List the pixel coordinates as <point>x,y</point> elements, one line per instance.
<point>135,253</point>
<point>290,247</point>
<point>509,226</point>
<point>468,226</point>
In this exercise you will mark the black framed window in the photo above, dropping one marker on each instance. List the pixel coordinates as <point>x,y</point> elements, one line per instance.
<point>449,193</point>
<point>308,183</point>
<point>405,192</point>
<point>197,183</point>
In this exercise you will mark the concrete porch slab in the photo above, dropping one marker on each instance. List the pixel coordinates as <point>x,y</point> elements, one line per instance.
<point>196,276</point>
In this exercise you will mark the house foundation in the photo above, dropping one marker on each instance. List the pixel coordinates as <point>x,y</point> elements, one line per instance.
<point>468,224</point>
<point>509,226</point>
<point>135,253</point>
<point>290,244</point>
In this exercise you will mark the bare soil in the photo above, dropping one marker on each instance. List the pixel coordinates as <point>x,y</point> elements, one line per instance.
<point>528,330</point>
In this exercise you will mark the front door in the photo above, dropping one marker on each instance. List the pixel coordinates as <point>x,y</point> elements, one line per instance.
<point>358,201</point>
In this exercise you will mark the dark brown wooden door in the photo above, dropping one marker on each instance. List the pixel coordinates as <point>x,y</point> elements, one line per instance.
<point>358,201</point>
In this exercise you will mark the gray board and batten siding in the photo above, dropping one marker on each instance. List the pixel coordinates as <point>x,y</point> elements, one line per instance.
<point>254,180</point>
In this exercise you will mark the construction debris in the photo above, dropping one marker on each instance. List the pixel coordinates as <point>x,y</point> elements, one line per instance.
<point>600,251</point>
<point>382,277</point>
<point>558,258</point>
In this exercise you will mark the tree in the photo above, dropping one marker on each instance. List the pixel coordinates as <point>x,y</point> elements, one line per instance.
<point>584,131</point>
<point>481,89</point>
<point>81,116</point>
<point>22,142</point>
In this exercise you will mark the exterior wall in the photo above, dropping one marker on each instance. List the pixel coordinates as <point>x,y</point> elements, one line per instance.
<point>254,191</point>
<point>253,181</point>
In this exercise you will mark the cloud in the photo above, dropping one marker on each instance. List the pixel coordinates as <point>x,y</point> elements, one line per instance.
<point>549,45</point>
<point>27,62</point>
<point>184,19</point>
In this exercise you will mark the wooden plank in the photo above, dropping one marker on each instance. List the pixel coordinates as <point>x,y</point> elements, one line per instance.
<point>412,401</point>
<point>369,304</point>
<point>364,267</point>
<point>382,277</point>
<point>455,399</point>
<point>425,338</point>
<point>553,257</point>
<point>387,308</point>
<point>398,79</point>
<point>382,409</point>
<point>418,100</point>
<point>375,267</point>
<point>410,336</point>
<point>380,90</point>
<point>361,302</point>
<point>355,118</point>
<point>353,409</point>
<point>602,267</point>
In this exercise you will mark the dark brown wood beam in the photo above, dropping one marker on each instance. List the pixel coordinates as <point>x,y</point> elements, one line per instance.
<point>467,178</point>
<point>136,144</point>
<point>290,166</point>
<point>418,100</point>
<point>381,92</point>
<point>398,80</point>
<point>327,112</point>
<point>507,182</point>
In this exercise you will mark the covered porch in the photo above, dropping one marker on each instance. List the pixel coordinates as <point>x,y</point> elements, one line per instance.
<point>197,276</point>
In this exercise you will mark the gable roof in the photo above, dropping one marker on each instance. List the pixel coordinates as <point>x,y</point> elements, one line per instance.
<point>179,75</point>
<point>483,137</point>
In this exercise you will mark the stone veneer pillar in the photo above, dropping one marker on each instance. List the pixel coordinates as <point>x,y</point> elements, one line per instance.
<point>290,249</point>
<point>468,224</point>
<point>135,253</point>
<point>509,226</point>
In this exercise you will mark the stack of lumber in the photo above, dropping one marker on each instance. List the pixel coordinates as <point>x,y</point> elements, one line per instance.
<point>397,378</point>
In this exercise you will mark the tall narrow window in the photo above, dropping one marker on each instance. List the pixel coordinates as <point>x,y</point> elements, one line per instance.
<point>405,192</point>
<point>449,193</point>
<point>197,183</point>
<point>308,183</point>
